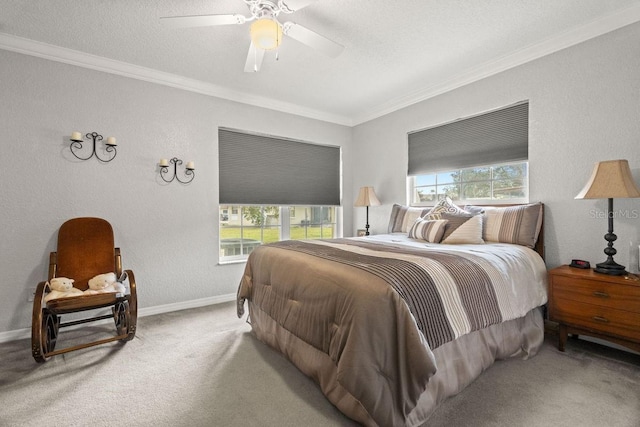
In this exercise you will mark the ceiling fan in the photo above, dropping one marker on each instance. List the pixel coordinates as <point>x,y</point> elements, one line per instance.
<point>266,31</point>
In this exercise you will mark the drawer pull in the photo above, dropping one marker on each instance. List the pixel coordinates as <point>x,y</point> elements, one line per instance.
<point>600,319</point>
<point>601,294</point>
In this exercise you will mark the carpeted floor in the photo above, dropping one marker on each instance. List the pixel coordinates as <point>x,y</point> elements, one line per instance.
<point>202,367</point>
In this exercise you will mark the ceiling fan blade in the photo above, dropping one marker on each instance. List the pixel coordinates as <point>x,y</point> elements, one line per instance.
<point>201,20</point>
<point>254,59</point>
<point>312,39</point>
<point>293,5</point>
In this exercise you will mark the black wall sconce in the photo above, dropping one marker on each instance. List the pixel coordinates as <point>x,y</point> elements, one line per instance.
<point>164,169</point>
<point>76,145</point>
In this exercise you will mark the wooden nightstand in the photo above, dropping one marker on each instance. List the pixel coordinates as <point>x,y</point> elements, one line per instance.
<point>594,304</point>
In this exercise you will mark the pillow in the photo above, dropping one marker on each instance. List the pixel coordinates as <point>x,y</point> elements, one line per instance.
<point>453,221</point>
<point>403,217</point>
<point>455,215</point>
<point>513,224</point>
<point>446,206</point>
<point>469,231</point>
<point>474,209</point>
<point>429,230</point>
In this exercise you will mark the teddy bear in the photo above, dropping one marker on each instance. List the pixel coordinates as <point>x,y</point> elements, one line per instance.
<point>103,283</point>
<point>61,287</point>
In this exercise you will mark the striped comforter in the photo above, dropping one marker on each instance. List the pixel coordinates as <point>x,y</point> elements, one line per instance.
<point>371,310</point>
<point>449,294</point>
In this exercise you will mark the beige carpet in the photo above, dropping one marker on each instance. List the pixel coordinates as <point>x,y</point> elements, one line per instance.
<point>202,367</point>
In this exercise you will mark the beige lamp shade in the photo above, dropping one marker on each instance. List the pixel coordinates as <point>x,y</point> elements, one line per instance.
<point>610,179</point>
<point>367,197</point>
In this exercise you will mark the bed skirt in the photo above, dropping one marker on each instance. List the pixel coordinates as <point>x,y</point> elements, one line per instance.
<point>461,361</point>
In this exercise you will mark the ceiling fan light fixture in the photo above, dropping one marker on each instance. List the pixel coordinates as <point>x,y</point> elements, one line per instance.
<point>266,33</point>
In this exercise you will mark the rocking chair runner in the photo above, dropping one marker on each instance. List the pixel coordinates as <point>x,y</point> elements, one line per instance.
<point>85,249</point>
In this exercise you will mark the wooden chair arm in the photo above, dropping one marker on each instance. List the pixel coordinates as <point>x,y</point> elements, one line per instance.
<point>118,262</point>
<point>53,264</point>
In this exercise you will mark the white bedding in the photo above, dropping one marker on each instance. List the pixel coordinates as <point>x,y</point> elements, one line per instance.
<point>515,263</point>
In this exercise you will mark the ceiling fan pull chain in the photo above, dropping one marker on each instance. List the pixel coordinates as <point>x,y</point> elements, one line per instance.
<point>255,60</point>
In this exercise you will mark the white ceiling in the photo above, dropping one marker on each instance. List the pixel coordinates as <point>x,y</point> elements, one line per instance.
<point>396,52</point>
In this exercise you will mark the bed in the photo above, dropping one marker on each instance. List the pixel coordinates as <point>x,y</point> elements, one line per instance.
<point>390,325</point>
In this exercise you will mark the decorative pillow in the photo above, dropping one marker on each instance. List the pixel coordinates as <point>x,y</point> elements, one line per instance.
<point>455,215</point>
<point>513,224</point>
<point>446,206</point>
<point>403,217</point>
<point>453,221</point>
<point>429,230</point>
<point>469,230</point>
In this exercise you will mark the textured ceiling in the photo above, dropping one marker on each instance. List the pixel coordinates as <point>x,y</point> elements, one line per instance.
<point>396,52</point>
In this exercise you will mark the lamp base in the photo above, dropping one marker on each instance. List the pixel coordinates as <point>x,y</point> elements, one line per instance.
<point>611,268</point>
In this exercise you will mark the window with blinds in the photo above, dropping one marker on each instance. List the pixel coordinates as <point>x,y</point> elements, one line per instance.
<point>275,189</point>
<point>479,159</point>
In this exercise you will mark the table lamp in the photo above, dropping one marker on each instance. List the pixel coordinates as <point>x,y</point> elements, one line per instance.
<point>367,197</point>
<point>610,179</point>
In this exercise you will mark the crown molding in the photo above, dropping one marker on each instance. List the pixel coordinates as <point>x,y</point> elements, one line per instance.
<point>73,57</point>
<point>564,40</point>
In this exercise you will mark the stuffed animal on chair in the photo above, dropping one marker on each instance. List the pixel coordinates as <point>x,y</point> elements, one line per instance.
<point>62,287</point>
<point>103,283</point>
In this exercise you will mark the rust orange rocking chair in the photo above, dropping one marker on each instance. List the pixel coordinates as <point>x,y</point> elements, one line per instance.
<point>85,249</point>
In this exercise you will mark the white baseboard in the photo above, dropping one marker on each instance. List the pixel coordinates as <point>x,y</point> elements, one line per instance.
<point>147,311</point>
<point>607,343</point>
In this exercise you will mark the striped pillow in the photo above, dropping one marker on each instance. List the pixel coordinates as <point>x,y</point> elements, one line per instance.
<point>455,221</point>
<point>469,231</point>
<point>403,217</point>
<point>429,230</point>
<point>513,224</point>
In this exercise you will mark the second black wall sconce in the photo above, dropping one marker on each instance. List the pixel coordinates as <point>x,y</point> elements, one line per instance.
<point>164,170</point>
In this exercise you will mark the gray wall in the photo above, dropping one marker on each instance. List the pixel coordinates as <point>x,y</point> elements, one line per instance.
<point>584,106</point>
<point>168,233</point>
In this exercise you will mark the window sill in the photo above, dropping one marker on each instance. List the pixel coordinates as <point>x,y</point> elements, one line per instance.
<point>235,261</point>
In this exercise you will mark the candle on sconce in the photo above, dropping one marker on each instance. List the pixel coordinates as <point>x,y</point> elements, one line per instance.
<point>76,136</point>
<point>191,166</point>
<point>164,162</point>
<point>112,141</point>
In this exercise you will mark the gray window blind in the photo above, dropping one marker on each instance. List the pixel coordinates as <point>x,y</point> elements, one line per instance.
<point>263,170</point>
<point>495,137</point>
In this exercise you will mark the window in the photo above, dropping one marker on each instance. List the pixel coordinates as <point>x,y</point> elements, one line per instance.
<point>312,222</point>
<point>493,184</point>
<point>255,225</point>
<point>275,189</point>
<point>479,159</point>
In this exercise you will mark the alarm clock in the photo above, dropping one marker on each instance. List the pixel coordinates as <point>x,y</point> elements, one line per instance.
<point>578,263</point>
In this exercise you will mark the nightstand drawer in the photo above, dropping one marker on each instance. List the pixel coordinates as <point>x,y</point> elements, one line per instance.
<point>597,293</point>
<point>598,318</point>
